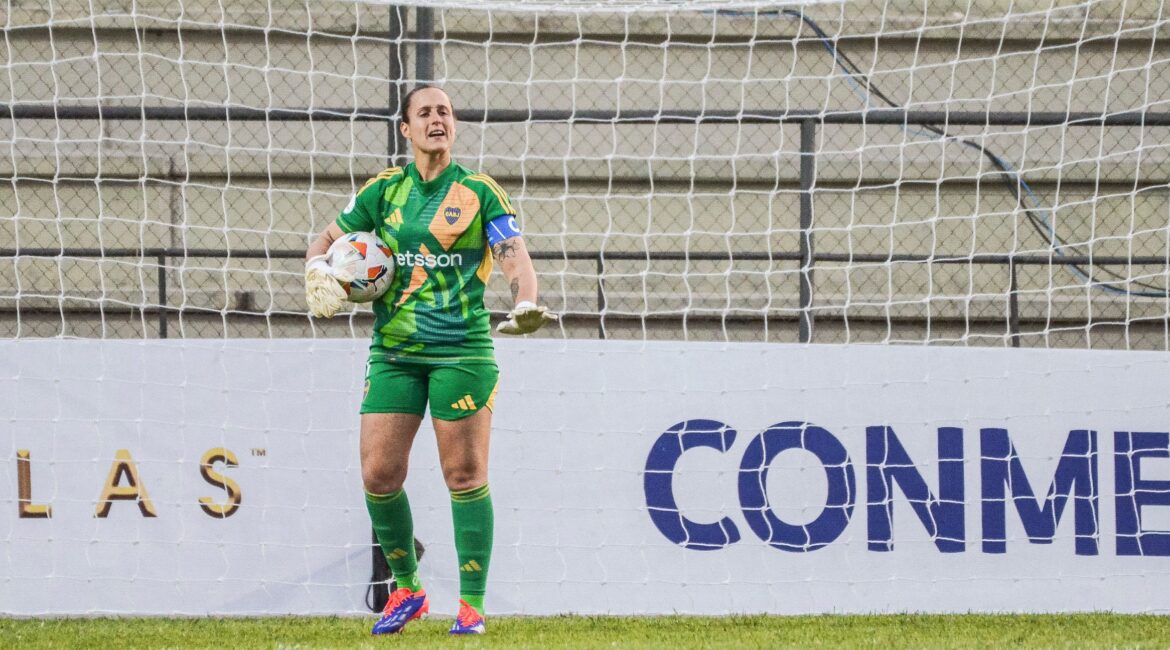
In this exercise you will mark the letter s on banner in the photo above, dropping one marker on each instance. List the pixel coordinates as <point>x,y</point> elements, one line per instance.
<point>659,485</point>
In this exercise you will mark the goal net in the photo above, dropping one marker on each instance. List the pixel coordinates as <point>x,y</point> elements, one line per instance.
<point>974,175</point>
<point>953,173</point>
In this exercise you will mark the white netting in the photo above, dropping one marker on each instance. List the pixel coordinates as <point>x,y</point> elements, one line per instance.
<point>657,182</point>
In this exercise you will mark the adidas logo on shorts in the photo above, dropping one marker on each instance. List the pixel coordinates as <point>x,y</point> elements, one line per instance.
<point>465,403</point>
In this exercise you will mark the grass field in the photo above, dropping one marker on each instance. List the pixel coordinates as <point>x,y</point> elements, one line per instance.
<point>909,631</point>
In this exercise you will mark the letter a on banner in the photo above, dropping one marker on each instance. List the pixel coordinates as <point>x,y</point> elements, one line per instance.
<point>134,490</point>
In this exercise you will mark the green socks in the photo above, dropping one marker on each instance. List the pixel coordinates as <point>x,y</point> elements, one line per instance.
<point>471,512</point>
<point>472,515</point>
<point>390,516</point>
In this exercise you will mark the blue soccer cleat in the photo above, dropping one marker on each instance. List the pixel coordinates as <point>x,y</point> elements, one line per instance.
<point>468,621</point>
<point>403,607</point>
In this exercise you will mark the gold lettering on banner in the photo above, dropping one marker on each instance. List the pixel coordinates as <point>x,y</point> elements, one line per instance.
<point>124,468</point>
<point>234,495</point>
<point>26,509</point>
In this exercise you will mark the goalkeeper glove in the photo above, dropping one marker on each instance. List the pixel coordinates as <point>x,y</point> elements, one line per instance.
<point>526,318</point>
<point>323,290</point>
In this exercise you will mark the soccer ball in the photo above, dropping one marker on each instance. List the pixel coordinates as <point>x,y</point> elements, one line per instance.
<point>368,259</point>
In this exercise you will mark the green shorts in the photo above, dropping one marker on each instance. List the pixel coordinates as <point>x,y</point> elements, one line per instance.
<point>453,390</point>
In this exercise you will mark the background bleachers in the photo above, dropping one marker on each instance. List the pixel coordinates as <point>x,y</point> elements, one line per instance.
<point>627,188</point>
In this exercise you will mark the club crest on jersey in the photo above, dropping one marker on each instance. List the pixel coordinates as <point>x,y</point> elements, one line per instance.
<point>454,215</point>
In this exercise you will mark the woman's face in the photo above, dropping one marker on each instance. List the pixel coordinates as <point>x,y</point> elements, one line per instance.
<point>429,122</point>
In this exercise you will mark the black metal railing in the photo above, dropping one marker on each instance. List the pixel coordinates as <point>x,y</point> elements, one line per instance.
<point>806,258</point>
<point>806,255</point>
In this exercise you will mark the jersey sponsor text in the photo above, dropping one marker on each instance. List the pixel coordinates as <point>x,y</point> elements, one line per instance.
<point>442,260</point>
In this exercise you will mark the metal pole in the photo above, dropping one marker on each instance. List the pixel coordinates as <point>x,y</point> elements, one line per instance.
<point>808,136</point>
<point>162,296</point>
<point>1013,305</point>
<point>41,111</point>
<point>600,295</point>
<point>395,149</point>
<point>395,145</point>
<point>424,48</point>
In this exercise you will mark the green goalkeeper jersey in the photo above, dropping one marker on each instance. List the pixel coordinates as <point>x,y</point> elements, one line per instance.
<point>434,306</point>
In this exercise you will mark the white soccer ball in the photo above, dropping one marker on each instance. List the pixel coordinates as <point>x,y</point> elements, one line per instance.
<point>365,257</point>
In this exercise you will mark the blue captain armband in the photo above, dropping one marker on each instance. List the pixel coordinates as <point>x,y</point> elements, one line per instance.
<point>502,228</point>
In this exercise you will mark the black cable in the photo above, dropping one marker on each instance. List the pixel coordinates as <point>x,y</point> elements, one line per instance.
<point>1011,179</point>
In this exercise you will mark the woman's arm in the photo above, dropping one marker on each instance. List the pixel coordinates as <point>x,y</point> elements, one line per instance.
<point>515,263</point>
<point>321,244</point>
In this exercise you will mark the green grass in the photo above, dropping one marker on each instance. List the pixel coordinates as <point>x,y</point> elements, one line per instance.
<point>676,633</point>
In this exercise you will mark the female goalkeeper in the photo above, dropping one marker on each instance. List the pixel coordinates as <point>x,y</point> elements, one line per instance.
<point>432,344</point>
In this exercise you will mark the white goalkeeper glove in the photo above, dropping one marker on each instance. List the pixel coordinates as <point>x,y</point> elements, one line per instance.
<point>323,289</point>
<point>526,318</point>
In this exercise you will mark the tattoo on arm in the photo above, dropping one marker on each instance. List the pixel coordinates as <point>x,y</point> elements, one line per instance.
<point>515,286</point>
<point>503,250</point>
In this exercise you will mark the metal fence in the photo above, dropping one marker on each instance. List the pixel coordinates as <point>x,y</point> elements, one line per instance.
<point>601,315</point>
